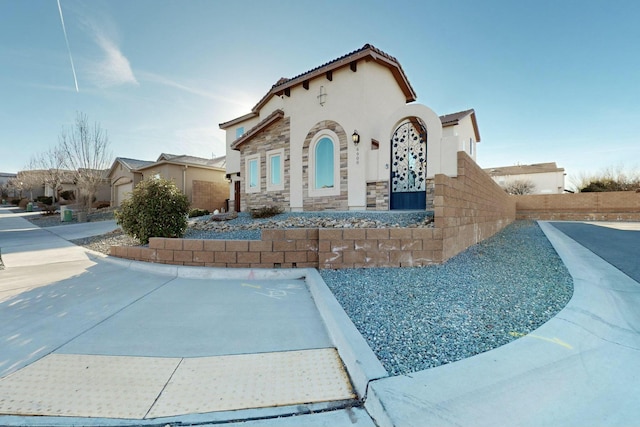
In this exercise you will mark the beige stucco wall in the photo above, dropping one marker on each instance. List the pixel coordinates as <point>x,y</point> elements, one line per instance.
<point>369,101</point>
<point>184,175</point>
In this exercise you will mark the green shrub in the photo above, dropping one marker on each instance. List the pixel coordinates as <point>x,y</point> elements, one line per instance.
<point>15,202</point>
<point>156,208</point>
<point>68,195</point>
<point>266,211</point>
<point>198,212</point>
<point>45,200</point>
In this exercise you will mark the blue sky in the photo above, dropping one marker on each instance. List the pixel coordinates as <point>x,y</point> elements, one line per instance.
<point>549,80</point>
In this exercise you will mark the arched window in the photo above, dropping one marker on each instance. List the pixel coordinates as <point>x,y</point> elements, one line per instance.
<point>324,163</point>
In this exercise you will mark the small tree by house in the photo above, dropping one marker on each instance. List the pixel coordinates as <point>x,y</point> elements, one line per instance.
<point>156,208</point>
<point>520,187</point>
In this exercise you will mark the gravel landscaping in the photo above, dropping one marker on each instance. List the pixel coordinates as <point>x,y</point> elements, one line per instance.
<point>419,318</point>
<point>485,297</point>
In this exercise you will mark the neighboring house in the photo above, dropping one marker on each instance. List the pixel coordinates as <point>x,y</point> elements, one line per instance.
<point>6,188</point>
<point>201,180</point>
<point>346,135</point>
<point>124,176</point>
<point>547,178</point>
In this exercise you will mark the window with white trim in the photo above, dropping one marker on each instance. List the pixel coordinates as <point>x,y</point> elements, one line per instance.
<point>324,164</point>
<point>275,170</point>
<point>252,173</point>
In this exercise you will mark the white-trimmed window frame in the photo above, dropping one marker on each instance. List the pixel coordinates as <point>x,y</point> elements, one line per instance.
<point>269,155</point>
<point>321,192</point>
<point>248,161</point>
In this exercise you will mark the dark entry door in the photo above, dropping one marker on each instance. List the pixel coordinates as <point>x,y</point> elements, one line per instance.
<point>409,166</point>
<point>236,196</point>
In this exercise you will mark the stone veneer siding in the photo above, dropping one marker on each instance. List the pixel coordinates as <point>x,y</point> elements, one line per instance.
<point>336,202</point>
<point>378,196</point>
<point>607,206</point>
<point>274,137</point>
<point>468,209</point>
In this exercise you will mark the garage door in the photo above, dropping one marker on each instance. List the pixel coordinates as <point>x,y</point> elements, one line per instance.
<point>123,192</point>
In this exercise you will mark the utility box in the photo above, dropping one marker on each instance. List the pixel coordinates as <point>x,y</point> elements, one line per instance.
<point>66,214</point>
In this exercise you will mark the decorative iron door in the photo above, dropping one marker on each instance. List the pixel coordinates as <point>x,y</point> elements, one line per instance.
<point>409,166</point>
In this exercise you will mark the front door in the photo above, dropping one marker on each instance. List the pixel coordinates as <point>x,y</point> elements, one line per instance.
<point>409,166</point>
<point>236,196</point>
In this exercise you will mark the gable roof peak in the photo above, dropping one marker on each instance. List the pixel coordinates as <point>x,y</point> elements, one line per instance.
<point>366,51</point>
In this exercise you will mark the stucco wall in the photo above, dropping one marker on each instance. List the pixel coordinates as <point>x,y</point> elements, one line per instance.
<point>361,101</point>
<point>608,206</point>
<point>545,183</point>
<point>469,208</point>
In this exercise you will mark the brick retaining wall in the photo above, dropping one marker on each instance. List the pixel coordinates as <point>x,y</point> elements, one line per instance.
<point>470,207</point>
<point>608,206</point>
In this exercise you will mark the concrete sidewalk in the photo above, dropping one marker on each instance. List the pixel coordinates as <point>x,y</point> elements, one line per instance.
<point>93,340</point>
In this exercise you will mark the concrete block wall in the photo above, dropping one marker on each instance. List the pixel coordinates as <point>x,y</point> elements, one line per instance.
<point>209,195</point>
<point>379,247</point>
<point>608,206</point>
<point>278,249</point>
<point>469,208</point>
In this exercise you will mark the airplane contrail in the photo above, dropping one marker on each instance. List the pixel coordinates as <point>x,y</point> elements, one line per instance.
<point>64,30</point>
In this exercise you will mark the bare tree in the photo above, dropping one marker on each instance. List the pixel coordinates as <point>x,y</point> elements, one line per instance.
<point>85,151</point>
<point>28,180</point>
<point>520,187</point>
<point>51,164</point>
<point>13,188</point>
<point>608,179</point>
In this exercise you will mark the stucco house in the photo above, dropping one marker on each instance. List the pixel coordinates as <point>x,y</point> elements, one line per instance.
<point>347,135</point>
<point>124,177</point>
<point>546,178</point>
<point>201,180</point>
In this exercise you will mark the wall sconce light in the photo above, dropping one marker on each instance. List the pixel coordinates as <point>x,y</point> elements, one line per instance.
<point>355,137</point>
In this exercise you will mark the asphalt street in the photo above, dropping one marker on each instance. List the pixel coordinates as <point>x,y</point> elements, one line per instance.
<point>620,248</point>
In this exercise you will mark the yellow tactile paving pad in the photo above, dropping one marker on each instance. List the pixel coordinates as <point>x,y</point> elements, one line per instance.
<point>73,385</point>
<point>146,387</point>
<point>225,383</point>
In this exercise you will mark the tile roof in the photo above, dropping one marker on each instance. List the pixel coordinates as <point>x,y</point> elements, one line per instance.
<point>133,163</point>
<point>183,159</point>
<point>454,118</point>
<point>524,169</point>
<point>366,51</point>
